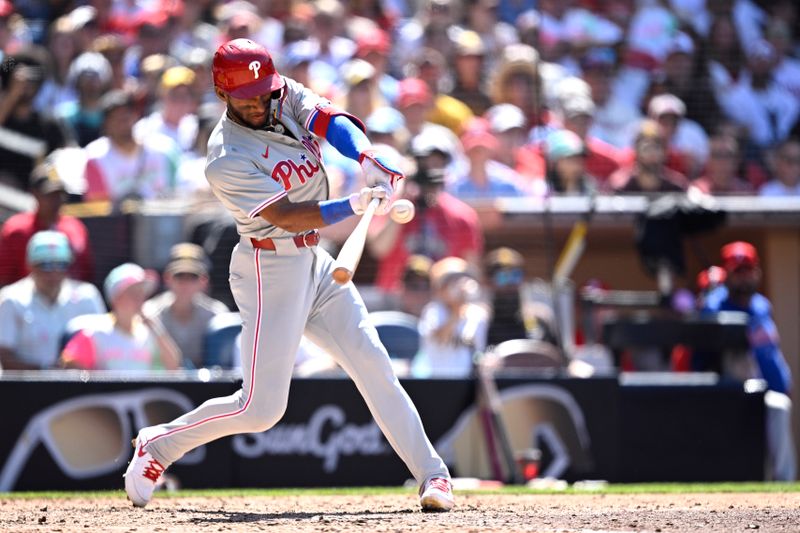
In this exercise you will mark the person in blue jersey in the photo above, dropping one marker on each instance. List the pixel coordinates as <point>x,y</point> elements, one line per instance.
<point>740,293</point>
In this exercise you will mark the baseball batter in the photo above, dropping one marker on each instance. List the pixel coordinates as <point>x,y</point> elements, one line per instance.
<point>264,165</point>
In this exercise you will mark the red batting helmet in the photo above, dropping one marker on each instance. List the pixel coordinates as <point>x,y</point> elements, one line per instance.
<point>244,69</point>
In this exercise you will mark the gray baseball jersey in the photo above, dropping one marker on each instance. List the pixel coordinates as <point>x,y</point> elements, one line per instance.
<point>285,293</point>
<point>250,169</point>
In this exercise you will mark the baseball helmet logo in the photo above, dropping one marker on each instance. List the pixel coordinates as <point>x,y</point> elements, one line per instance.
<point>255,66</point>
<point>244,69</point>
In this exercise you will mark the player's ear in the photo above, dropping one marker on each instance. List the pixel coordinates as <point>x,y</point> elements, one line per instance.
<point>220,94</point>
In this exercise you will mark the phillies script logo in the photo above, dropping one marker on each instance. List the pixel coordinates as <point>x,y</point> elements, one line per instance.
<point>283,171</point>
<point>312,146</point>
<point>326,435</point>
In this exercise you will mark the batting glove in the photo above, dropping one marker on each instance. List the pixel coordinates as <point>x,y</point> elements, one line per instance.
<point>378,168</point>
<point>360,200</point>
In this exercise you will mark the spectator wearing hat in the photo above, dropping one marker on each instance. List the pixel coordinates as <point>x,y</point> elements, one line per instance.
<point>648,173</point>
<point>85,21</point>
<point>184,309</point>
<point>567,165</point>
<point>175,110</point>
<point>504,268</point>
<point>517,81</point>
<point>118,166</point>
<point>470,72</point>
<point>373,46</point>
<point>123,339</point>
<point>416,289</point>
<point>386,125</point>
<point>16,232</point>
<point>683,75</point>
<point>145,88</point>
<point>34,311</point>
<point>723,169</point>
<point>687,140</point>
<point>740,293</point>
<point>785,163</point>
<point>415,102</point>
<point>430,66</point>
<point>507,123</point>
<point>453,325</point>
<point>483,181</point>
<point>576,109</point>
<point>34,135</point>
<point>443,226</point>
<point>361,95</point>
<point>90,77</point>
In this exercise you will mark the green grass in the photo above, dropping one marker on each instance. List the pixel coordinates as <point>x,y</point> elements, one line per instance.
<point>638,488</point>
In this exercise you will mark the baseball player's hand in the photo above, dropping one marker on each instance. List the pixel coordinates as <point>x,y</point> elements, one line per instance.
<point>360,200</point>
<point>379,168</point>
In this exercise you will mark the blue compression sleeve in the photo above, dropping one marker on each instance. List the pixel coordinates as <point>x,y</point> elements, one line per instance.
<point>346,136</point>
<point>334,211</point>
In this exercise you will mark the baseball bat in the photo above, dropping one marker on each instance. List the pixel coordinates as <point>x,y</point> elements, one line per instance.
<point>350,254</point>
<point>498,443</point>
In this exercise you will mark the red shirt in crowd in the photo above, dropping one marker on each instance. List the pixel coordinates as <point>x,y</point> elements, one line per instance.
<point>450,228</point>
<point>17,231</point>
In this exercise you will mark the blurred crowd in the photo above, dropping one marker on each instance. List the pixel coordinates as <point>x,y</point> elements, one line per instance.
<point>105,101</point>
<point>518,97</point>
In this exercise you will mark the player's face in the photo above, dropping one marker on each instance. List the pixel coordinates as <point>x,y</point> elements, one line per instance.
<point>250,112</point>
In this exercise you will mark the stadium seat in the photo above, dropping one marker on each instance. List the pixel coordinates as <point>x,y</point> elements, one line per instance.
<point>398,333</point>
<point>527,354</point>
<point>218,343</point>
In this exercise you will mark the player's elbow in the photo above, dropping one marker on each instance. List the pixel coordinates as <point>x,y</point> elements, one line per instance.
<point>284,215</point>
<point>284,221</point>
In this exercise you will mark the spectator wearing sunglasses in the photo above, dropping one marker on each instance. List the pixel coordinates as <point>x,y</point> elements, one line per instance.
<point>34,311</point>
<point>505,274</point>
<point>184,309</point>
<point>123,339</point>
<point>48,190</point>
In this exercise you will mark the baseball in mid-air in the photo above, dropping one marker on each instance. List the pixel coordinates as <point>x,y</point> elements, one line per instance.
<point>402,211</point>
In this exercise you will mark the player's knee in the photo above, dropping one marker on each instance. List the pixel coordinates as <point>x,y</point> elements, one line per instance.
<point>258,418</point>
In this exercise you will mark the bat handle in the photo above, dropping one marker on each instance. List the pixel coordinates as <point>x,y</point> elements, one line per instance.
<point>370,210</point>
<point>343,270</point>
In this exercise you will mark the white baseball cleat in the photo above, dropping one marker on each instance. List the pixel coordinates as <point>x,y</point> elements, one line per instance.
<point>437,495</point>
<point>142,475</point>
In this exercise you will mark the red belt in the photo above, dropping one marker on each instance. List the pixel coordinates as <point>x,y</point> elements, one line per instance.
<point>304,240</point>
